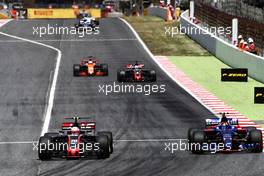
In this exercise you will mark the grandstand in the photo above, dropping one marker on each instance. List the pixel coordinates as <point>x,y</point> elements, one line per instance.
<point>259,3</point>
<point>55,3</point>
<point>251,21</point>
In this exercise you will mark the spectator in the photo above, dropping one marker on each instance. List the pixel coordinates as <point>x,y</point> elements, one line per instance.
<point>178,12</point>
<point>240,42</point>
<point>13,13</point>
<point>245,46</point>
<point>252,48</point>
<point>171,8</point>
<point>162,4</point>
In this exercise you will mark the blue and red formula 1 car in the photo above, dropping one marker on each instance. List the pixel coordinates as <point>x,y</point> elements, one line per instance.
<point>224,135</point>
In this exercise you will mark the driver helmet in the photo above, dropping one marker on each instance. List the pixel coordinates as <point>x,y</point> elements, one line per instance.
<point>224,123</point>
<point>75,131</point>
<point>224,120</point>
<point>90,61</point>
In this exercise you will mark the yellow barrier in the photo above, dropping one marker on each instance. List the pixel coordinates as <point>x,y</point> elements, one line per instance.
<point>59,13</point>
<point>3,16</point>
<point>145,12</point>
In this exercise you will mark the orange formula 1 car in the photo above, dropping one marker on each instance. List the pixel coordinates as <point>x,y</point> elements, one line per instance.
<point>90,67</point>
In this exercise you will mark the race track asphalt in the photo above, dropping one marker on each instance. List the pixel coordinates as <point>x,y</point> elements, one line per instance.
<point>25,79</point>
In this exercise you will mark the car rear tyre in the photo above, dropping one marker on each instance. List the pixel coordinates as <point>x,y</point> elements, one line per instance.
<point>104,150</point>
<point>96,22</point>
<point>190,133</point>
<point>121,74</point>
<point>105,69</point>
<point>190,136</point>
<point>43,145</point>
<point>255,137</point>
<point>197,142</point>
<point>153,76</point>
<point>250,128</point>
<point>110,138</point>
<point>52,134</point>
<point>76,70</point>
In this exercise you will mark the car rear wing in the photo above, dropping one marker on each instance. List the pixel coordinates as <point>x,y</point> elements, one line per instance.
<point>84,123</point>
<point>216,121</point>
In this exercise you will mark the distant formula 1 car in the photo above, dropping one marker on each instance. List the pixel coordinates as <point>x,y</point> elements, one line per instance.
<point>77,139</point>
<point>227,133</point>
<point>90,67</point>
<point>85,21</point>
<point>136,73</point>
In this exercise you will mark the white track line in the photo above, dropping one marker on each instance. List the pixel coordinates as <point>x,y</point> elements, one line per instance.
<point>47,114</point>
<point>168,73</point>
<point>18,142</point>
<point>4,21</point>
<point>117,140</point>
<point>148,140</point>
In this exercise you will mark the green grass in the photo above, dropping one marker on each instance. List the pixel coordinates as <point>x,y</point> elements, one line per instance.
<point>152,31</point>
<point>197,63</point>
<point>205,70</point>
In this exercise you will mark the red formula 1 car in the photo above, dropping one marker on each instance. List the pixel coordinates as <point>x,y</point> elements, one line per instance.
<point>90,67</point>
<point>136,73</point>
<point>77,139</point>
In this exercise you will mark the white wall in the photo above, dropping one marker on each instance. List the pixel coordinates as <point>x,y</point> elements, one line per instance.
<point>225,51</point>
<point>156,11</point>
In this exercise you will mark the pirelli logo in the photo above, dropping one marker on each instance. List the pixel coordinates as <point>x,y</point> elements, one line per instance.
<point>234,74</point>
<point>43,12</point>
<point>259,95</point>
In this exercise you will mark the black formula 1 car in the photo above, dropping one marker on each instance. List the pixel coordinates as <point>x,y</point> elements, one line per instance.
<point>136,73</point>
<point>225,135</point>
<point>77,139</point>
<point>90,67</point>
